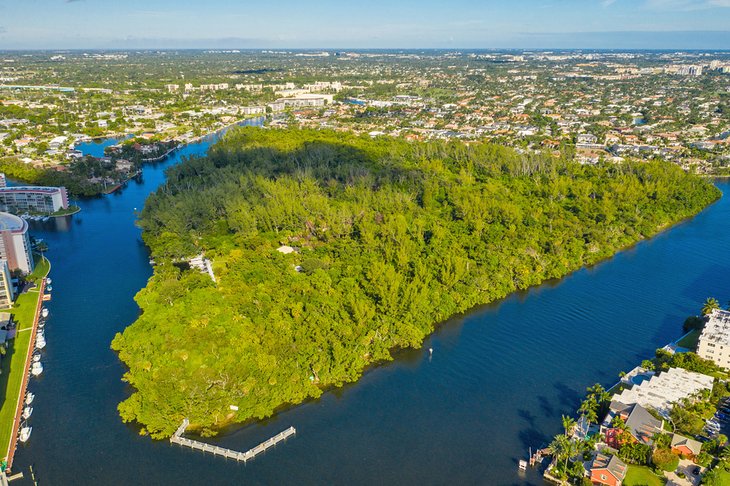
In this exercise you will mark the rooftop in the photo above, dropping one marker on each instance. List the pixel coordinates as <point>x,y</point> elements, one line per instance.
<point>611,463</point>
<point>666,388</point>
<point>717,328</point>
<point>43,189</point>
<point>10,222</point>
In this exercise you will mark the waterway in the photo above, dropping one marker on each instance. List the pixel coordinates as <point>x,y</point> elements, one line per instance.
<point>96,147</point>
<point>497,383</point>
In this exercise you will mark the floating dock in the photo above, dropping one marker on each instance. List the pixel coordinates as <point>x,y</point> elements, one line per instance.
<point>177,438</point>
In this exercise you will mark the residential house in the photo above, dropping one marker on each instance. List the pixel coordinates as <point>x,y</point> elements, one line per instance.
<point>641,425</point>
<point>609,470</point>
<point>685,447</point>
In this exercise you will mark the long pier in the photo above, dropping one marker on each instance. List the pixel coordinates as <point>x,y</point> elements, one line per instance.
<point>177,438</point>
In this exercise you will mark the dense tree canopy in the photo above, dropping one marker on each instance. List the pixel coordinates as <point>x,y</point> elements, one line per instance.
<point>391,238</point>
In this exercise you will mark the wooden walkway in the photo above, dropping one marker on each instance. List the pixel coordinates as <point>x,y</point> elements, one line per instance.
<point>177,438</point>
<point>24,385</point>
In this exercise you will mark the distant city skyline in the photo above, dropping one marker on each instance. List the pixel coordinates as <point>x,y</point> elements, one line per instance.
<point>611,24</point>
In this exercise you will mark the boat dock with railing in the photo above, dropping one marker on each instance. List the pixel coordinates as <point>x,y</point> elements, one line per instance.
<point>177,438</point>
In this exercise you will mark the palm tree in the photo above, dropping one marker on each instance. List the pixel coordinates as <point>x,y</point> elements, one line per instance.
<point>725,454</point>
<point>569,425</point>
<point>662,441</point>
<point>562,448</point>
<point>589,410</point>
<point>42,248</point>
<point>710,305</point>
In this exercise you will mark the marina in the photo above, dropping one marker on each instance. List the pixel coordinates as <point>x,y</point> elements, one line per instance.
<point>33,367</point>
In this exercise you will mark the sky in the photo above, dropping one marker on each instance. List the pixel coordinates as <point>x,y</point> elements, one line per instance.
<point>156,24</point>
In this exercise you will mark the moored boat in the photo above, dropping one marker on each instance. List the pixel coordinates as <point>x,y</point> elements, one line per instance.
<point>29,398</point>
<point>49,281</point>
<point>37,368</point>
<point>25,432</point>
<point>27,412</point>
<point>40,343</point>
<point>44,312</point>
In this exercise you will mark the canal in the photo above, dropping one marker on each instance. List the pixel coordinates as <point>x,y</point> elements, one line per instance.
<point>497,382</point>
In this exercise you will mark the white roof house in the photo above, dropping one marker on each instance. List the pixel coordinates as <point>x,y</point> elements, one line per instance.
<point>662,390</point>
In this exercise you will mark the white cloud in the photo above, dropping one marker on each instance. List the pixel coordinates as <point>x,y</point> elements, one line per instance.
<point>686,4</point>
<point>678,4</point>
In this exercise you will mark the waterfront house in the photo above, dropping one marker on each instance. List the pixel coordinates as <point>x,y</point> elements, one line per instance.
<point>640,424</point>
<point>662,390</point>
<point>609,470</point>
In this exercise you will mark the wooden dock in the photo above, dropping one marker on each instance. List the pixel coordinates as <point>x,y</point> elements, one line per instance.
<point>177,438</point>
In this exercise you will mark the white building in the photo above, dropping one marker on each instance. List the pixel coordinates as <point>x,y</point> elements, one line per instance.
<point>661,391</point>
<point>6,286</point>
<point>15,243</point>
<point>714,343</point>
<point>33,199</point>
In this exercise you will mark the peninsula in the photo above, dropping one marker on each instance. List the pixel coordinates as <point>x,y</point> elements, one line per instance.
<point>316,253</point>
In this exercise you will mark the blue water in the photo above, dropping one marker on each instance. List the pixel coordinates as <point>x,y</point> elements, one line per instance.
<point>95,148</point>
<point>497,383</point>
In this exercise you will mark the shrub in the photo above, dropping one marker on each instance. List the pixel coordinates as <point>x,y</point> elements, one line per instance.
<point>665,460</point>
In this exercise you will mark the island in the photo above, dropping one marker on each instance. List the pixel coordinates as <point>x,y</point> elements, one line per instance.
<point>289,261</point>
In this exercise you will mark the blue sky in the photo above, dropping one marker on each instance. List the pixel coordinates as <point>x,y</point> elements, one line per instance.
<point>702,24</point>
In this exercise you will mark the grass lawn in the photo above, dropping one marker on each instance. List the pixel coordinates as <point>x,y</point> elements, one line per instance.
<point>642,476</point>
<point>690,340</point>
<point>66,212</point>
<point>13,363</point>
<point>723,476</point>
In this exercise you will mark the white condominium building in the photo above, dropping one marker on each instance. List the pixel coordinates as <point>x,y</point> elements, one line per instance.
<point>661,391</point>
<point>714,343</point>
<point>15,243</point>
<point>33,199</point>
<point>6,286</point>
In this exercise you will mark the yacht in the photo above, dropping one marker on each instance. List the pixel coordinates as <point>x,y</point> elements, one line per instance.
<point>44,312</point>
<point>37,368</point>
<point>49,281</point>
<point>49,288</point>
<point>36,358</point>
<point>29,398</point>
<point>25,432</point>
<point>27,412</point>
<point>40,343</point>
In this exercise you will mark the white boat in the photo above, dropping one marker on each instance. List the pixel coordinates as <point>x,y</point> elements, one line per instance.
<point>49,288</point>
<point>49,281</point>
<point>27,412</point>
<point>44,312</point>
<point>25,433</point>
<point>29,398</point>
<point>41,324</point>
<point>36,358</point>
<point>40,343</point>
<point>45,218</point>
<point>37,368</point>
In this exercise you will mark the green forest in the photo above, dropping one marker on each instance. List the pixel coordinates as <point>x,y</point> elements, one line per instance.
<point>74,180</point>
<point>390,238</point>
